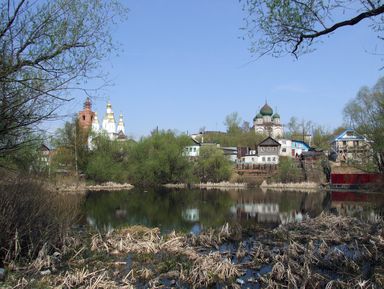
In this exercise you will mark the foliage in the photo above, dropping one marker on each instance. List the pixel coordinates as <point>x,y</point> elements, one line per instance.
<point>278,27</point>
<point>158,159</point>
<point>366,114</point>
<point>232,122</point>
<point>27,159</point>
<point>108,160</point>
<point>71,143</point>
<point>212,165</point>
<point>288,170</point>
<point>47,49</point>
<point>321,137</point>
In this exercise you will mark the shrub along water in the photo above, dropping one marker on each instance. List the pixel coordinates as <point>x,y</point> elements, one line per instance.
<point>32,217</point>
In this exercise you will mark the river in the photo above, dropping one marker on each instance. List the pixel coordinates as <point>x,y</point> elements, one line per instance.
<point>189,210</point>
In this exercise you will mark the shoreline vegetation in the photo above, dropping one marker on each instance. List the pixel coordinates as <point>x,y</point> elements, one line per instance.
<point>325,252</point>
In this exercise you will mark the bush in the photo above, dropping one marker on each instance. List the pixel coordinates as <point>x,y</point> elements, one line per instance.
<point>31,217</point>
<point>212,165</point>
<point>288,171</point>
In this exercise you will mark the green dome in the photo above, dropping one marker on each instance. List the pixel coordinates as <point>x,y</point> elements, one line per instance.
<point>276,115</point>
<point>259,115</point>
<point>266,110</point>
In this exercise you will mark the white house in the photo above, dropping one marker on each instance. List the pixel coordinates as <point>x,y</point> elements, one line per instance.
<point>285,148</point>
<point>260,160</point>
<point>192,151</point>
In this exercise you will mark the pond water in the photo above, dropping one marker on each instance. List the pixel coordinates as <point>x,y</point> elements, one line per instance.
<point>193,210</point>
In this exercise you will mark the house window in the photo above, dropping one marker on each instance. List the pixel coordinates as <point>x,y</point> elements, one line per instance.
<point>194,149</point>
<point>344,143</point>
<point>253,159</point>
<point>274,159</point>
<point>263,159</point>
<point>284,150</point>
<point>269,159</point>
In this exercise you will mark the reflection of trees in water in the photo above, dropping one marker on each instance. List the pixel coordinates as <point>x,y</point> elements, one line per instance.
<point>182,209</point>
<point>161,207</point>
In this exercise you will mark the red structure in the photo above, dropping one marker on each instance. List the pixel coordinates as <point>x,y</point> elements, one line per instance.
<point>353,180</point>
<point>86,116</point>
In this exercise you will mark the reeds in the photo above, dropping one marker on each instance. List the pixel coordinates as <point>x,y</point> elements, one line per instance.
<point>325,252</point>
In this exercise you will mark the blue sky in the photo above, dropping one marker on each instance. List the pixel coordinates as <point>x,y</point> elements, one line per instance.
<point>183,66</point>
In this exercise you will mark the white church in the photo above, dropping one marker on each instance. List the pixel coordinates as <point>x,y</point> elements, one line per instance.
<point>88,120</point>
<point>268,123</point>
<point>109,126</point>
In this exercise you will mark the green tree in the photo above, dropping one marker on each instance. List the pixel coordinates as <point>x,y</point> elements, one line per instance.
<point>108,160</point>
<point>321,137</point>
<point>365,113</point>
<point>71,143</point>
<point>158,159</point>
<point>212,165</point>
<point>278,27</point>
<point>232,122</point>
<point>288,170</point>
<point>48,48</point>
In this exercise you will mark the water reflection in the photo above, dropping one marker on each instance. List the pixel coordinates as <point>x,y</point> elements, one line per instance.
<point>367,206</point>
<point>193,210</point>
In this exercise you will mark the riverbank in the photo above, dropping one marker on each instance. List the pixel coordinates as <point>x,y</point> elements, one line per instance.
<point>209,185</point>
<point>326,252</point>
<point>302,186</point>
<point>81,188</point>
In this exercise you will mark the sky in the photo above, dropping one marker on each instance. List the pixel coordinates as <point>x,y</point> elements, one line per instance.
<point>183,65</point>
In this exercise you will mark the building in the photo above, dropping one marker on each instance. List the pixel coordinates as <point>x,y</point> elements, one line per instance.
<point>298,147</point>
<point>351,146</point>
<point>88,120</point>
<point>268,123</point>
<point>285,147</point>
<point>293,148</point>
<point>267,152</point>
<point>86,116</point>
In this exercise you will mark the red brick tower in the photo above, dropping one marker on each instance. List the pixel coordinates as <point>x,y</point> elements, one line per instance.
<point>86,116</point>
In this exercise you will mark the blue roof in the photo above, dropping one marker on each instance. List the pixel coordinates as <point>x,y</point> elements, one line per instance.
<point>343,136</point>
<point>302,142</point>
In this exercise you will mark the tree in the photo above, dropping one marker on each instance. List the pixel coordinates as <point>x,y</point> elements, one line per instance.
<point>288,170</point>
<point>212,165</point>
<point>298,130</point>
<point>108,160</point>
<point>158,159</point>
<point>71,144</point>
<point>365,113</point>
<point>47,48</point>
<point>278,27</point>
<point>232,122</point>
